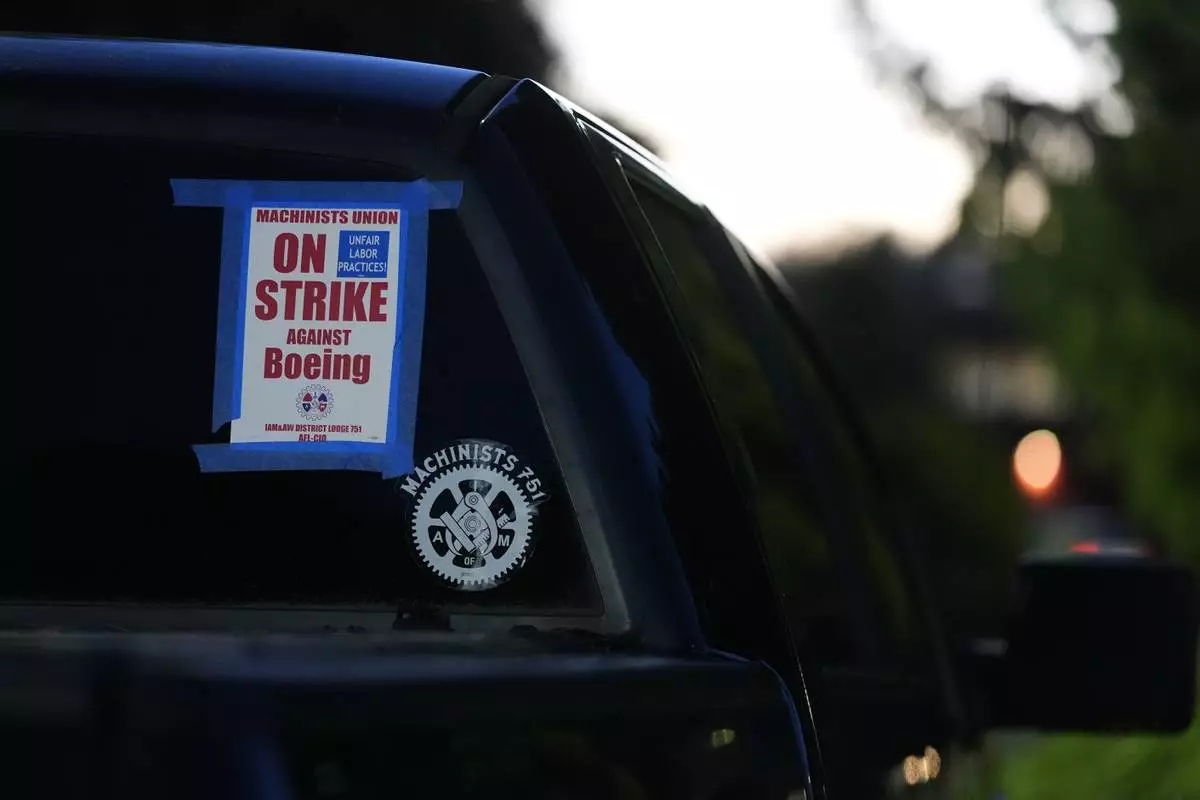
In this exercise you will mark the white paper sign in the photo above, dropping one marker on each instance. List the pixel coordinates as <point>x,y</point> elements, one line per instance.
<point>322,305</point>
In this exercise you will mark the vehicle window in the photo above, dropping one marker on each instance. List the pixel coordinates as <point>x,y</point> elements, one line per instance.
<point>782,495</point>
<point>114,299</point>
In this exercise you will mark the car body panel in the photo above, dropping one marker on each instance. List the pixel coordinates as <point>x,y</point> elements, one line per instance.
<point>209,716</point>
<point>416,95</point>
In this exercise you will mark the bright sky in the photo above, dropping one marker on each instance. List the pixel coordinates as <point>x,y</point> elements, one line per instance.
<point>770,112</point>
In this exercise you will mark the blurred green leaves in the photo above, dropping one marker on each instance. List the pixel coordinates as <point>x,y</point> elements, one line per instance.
<point>1142,767</point>
<point>1116,293</point>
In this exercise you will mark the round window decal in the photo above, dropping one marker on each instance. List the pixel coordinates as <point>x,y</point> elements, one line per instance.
<point>472,519</point>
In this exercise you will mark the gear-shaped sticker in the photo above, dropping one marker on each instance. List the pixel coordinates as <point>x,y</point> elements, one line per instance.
<point>472,524</point>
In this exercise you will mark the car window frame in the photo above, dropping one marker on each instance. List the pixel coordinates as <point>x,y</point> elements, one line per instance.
<point>611,152</point>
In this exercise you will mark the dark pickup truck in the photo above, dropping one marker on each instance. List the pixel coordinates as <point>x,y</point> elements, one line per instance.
<point>394,430</point>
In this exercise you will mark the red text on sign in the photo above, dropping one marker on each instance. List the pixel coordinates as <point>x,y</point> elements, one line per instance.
<point>309,253</point>
<point>326,366</point>
<point>318,301</point>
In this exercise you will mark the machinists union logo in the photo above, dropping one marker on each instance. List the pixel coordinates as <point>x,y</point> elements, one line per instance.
<point>472,522</point>
<point>314,402</point>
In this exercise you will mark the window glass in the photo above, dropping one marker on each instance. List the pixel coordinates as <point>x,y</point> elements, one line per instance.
<point>113,301</point>
<point>782,495</point>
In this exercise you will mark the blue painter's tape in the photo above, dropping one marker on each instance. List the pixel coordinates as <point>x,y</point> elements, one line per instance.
<point>406,360</point>
<point>267,456</point>
<point>415,199</point>
<point>444,194</point>
<point>227,382</point>
<point>413,194</point>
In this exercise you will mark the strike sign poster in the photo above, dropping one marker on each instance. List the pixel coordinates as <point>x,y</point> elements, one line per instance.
<point>320,312</point>
<point>319,326</point>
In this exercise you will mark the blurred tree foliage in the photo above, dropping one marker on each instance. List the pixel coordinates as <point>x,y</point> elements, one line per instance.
<point>1110,280</point>
<point>1145,767</point>
<point>1105,281</point>
<point>497,36</point>
<point>1108,284</point>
